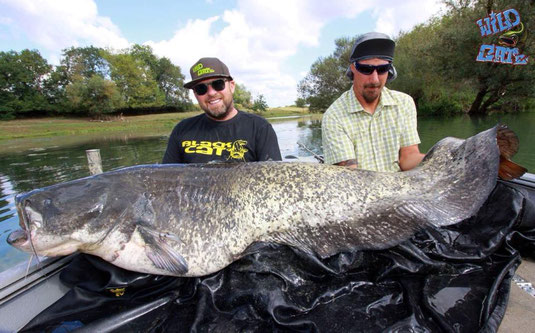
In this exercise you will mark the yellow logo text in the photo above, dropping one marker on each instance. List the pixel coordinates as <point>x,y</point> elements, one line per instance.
<point>235,149</point>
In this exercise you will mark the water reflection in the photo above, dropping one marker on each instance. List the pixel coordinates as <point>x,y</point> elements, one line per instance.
<point>433,129</point>
<point>306,130</point>
<point>30,164</point>
<point>8,223</point>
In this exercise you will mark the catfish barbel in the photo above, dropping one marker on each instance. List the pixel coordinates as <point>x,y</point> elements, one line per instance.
<point>193,220</point>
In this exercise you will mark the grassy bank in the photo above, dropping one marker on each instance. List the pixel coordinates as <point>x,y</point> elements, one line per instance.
<point>154,123</point>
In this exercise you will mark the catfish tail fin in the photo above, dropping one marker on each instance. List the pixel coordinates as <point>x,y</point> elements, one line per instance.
<point>508,145</point>
<point>509,169</point>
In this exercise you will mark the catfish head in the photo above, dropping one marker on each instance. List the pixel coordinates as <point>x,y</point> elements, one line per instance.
<point>67,217</point>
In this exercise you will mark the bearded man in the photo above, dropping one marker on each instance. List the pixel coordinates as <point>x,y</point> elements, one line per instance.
<point>221,133</point>
<point>370,126</point>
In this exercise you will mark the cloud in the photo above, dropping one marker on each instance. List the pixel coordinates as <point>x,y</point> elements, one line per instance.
<point>5,20</point>
<point>55,25</point>
<point>259,36</point>
<point>393,16</point>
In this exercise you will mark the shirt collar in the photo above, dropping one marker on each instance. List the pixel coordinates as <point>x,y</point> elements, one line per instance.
<point>386,98</point>
<point>354,104</point>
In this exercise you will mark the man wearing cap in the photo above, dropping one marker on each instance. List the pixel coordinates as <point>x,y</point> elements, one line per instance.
<point>370,126</point>
<point>222,133</point>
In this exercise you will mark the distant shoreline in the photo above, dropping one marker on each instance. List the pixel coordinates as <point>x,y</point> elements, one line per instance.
<point>153,123</point>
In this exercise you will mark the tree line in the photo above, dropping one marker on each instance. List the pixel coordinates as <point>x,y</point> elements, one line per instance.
<point>96,82</point>
<point>89,81</point>
<point>436,63</point>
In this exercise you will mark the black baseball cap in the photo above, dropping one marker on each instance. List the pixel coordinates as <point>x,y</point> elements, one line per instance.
<point>373,45</point>
<point>207,68</point>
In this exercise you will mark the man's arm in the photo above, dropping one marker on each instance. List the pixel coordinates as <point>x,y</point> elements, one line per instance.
<point>171,152</point>
<point>268,145</point>
<point>409,157</point>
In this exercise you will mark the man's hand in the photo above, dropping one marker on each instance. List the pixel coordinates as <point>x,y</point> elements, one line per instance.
<point>349,163</point>
<point>409,157</point>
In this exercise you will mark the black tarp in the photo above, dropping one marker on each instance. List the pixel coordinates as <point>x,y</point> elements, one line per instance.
<point>452,279</point>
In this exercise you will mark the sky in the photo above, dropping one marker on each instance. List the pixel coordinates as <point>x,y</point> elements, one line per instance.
<point>268,45</point>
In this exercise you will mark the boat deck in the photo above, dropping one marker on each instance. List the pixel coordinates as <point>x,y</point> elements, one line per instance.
<point>520,314</point>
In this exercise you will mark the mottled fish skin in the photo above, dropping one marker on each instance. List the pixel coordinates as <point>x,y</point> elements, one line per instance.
<point>193,220</point>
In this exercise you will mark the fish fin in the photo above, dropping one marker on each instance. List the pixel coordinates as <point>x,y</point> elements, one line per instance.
<point>166,258</point>
<point>510,170</point>
<point>508,144</point>
<point>260,246</point>
<point>160,252</point>
<point>255,247</point>
<point>507,141</point>
<point>390,222</point>
<point>302,238</point>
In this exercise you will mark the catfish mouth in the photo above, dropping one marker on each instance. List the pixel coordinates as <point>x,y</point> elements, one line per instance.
<point>22,238</point>
<point>19,239</point>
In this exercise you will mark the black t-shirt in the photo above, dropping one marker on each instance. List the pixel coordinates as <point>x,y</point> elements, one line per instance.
<point>246,137</point>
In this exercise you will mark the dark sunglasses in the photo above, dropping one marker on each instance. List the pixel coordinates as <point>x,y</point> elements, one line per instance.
<point>368,69</point>
<point>202,88</point>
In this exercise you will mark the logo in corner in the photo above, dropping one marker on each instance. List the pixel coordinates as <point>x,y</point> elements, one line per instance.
<point>512,37</point>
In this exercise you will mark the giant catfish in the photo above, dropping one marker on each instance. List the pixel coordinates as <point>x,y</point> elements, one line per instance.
<point>192,220</point>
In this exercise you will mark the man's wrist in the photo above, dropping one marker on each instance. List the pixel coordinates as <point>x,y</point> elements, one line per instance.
<point>348,163</point>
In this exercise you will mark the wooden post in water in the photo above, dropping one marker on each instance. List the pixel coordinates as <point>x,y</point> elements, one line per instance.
<point>94,161</point>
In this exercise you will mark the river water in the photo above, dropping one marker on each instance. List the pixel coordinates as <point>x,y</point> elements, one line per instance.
<point>30,164</point>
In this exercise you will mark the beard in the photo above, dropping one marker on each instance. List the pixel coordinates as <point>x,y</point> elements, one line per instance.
<point>371,96</point>
<point>220,111</point>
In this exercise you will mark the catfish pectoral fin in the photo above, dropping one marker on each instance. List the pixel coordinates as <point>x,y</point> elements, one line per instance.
<point>162,254</point>
<point>166,258</point>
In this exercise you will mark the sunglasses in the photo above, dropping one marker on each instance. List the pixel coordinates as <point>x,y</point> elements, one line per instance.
<point>202,88</point>
<point>368,69</point>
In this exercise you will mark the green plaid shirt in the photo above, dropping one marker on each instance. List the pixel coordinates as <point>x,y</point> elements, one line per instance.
<point>349,132</point>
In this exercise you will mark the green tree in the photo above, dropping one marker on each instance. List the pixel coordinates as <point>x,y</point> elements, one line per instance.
<point>78,66</point>
<point>94,96</point>
<point>171,82</point>
<point>169,77</point>
<point>22,77</point>
<point>146,55</point>
<point>55,86</point>
<point>260,104</point>
<point>242,97</point>
<point>326,80</point>
<point>84,62</point>
<point>421,75</point>
<point>300,102</point>
<point>135,82</point>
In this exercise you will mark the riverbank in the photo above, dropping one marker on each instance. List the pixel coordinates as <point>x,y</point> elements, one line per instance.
<point>154,123</point>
